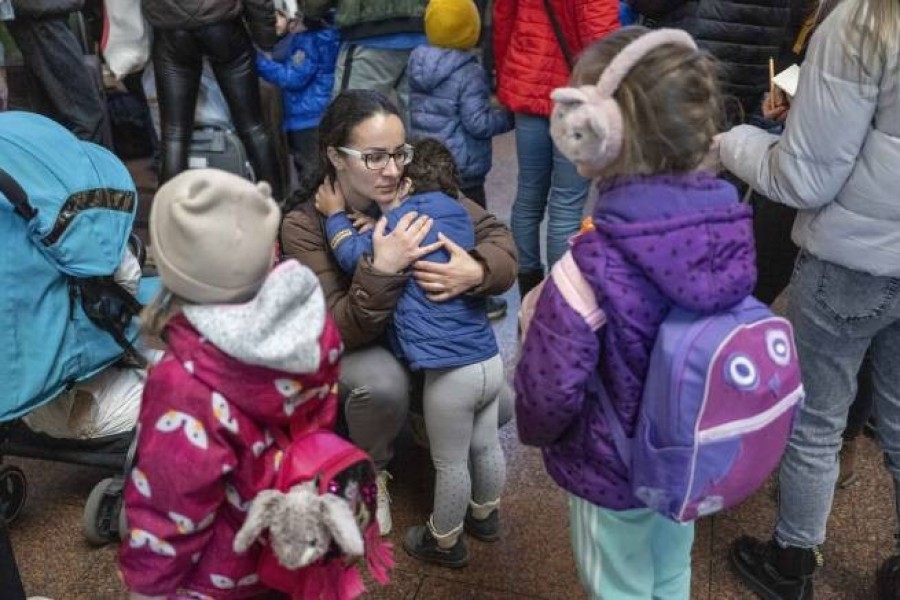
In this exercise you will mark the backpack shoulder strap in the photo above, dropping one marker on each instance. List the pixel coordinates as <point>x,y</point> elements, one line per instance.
<point>580,296</point>
<point>577,291</point>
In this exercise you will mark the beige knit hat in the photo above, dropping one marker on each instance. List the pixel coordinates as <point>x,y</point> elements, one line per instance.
<point>213,235</point>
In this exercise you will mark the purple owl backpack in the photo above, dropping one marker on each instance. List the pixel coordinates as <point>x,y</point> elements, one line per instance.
<point>717,408</point>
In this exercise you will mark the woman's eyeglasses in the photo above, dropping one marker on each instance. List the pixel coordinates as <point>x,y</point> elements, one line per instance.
<point>375,161</point>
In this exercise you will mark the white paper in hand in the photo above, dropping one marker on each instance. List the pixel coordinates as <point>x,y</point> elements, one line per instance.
<point>787,80</point>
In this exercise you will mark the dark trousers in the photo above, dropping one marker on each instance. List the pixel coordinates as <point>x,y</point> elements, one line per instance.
<point>65,89</point>
<point>178,61</point>
<point>775,257</point>
<point>476,194</point>
<point>304,145</point>
<point>10,582</point>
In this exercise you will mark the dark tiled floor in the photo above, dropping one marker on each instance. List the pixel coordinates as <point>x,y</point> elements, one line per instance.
<point>533,559</point>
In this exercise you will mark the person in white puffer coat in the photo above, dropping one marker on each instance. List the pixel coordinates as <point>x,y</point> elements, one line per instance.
<point>838,163</point>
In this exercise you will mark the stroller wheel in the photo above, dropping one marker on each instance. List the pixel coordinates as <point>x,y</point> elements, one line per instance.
<point>13,491</point>
<point>101,512</point>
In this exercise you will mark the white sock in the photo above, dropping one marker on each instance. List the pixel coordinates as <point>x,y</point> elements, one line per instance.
<point>483,511</point>
<point>445,540</point>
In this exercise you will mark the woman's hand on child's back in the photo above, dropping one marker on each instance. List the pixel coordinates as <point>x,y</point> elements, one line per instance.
<point>330,198</point>
<point>395,251</point>
<point>445,281</point>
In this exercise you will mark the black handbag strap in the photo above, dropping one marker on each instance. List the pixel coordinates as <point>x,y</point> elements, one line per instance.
<point>16,196</point>
<point>557,30</point>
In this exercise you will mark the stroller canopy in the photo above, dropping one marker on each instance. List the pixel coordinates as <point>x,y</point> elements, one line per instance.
<point>66,211</point>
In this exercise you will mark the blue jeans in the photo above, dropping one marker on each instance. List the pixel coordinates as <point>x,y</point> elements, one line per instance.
<point>838,314</point>
<point>630,554</point>
<point>547,181</point>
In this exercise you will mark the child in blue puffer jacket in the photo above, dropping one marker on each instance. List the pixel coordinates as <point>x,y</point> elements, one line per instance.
<point>452,342</point>
<point>302,65</point>
<point>449,93</point>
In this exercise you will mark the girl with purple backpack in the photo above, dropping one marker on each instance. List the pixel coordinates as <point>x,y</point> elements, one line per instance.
<point>666,235</point>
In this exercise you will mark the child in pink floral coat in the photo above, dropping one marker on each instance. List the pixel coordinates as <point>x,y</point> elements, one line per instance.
<point>250,350</point>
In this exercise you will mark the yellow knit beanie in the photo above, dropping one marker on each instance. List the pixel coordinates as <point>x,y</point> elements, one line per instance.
<point>452,24</point>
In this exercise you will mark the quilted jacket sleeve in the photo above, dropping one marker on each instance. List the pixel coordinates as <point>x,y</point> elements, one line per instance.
<point>559,355</point>
<point>294,74</point>
<point>829,120</point>
<point>503,19</point>
<point>595,19</point>
<point>176,485</point>
<point>494,249</point>
<point>347,244</point>
<point>479,118</point>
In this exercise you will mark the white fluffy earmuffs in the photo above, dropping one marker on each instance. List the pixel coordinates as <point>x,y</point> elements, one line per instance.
<point>586,124</point>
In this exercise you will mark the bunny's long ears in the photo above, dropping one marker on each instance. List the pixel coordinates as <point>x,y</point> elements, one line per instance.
<point>339,520</point>
<point>260,517</point>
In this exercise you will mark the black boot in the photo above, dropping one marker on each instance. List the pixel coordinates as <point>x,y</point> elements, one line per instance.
<point>528,280</point>
<point>496,308</point>
<point>421,544</point>
<point>888,579</point>
<point>773,572</point>
<point>485,530</point>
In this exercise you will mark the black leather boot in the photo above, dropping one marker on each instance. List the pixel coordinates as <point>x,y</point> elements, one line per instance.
<point>773,572</point>
<point>888,579</point>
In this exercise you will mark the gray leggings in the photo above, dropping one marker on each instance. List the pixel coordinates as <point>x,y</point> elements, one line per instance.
<point>461,407</point>
<point>376,400</point>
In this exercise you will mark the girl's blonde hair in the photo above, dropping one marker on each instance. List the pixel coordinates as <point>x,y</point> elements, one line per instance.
<point>875,30</point>
<point>157,314</point>
<point>671,104</point>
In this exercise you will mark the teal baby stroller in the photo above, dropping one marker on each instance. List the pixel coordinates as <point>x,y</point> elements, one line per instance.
<point>66,214</point>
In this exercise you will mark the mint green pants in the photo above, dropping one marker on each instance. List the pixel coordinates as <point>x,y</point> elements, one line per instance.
<point>630,554</point>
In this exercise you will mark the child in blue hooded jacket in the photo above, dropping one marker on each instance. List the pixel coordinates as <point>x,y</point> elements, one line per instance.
<point>453,343</point>
<point>449,93</point>
<point>302,65</point>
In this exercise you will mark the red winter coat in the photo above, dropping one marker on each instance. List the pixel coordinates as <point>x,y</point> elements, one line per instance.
<point>530,63</point>
<point>205,447</point>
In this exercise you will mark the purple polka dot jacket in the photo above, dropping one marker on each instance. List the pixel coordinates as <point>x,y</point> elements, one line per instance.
<point>659,241</point>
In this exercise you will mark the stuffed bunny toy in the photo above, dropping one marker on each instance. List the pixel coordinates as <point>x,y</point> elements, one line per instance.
<point>302,524</point>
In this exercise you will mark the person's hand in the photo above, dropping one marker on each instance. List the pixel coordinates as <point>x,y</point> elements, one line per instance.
<point>361,222</point>
<point>775,106</point>
<point>397,250</point>
<point>330,198</point>
<point>445,281</point>
<point>4,91</point>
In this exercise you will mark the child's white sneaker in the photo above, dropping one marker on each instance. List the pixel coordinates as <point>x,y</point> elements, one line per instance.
<point>383,514</point>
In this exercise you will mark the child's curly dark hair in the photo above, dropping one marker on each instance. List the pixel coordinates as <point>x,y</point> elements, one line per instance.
<point>433,168</point>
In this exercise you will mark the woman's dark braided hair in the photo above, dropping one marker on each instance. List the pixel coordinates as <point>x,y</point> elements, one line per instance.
<point>346,111</point>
